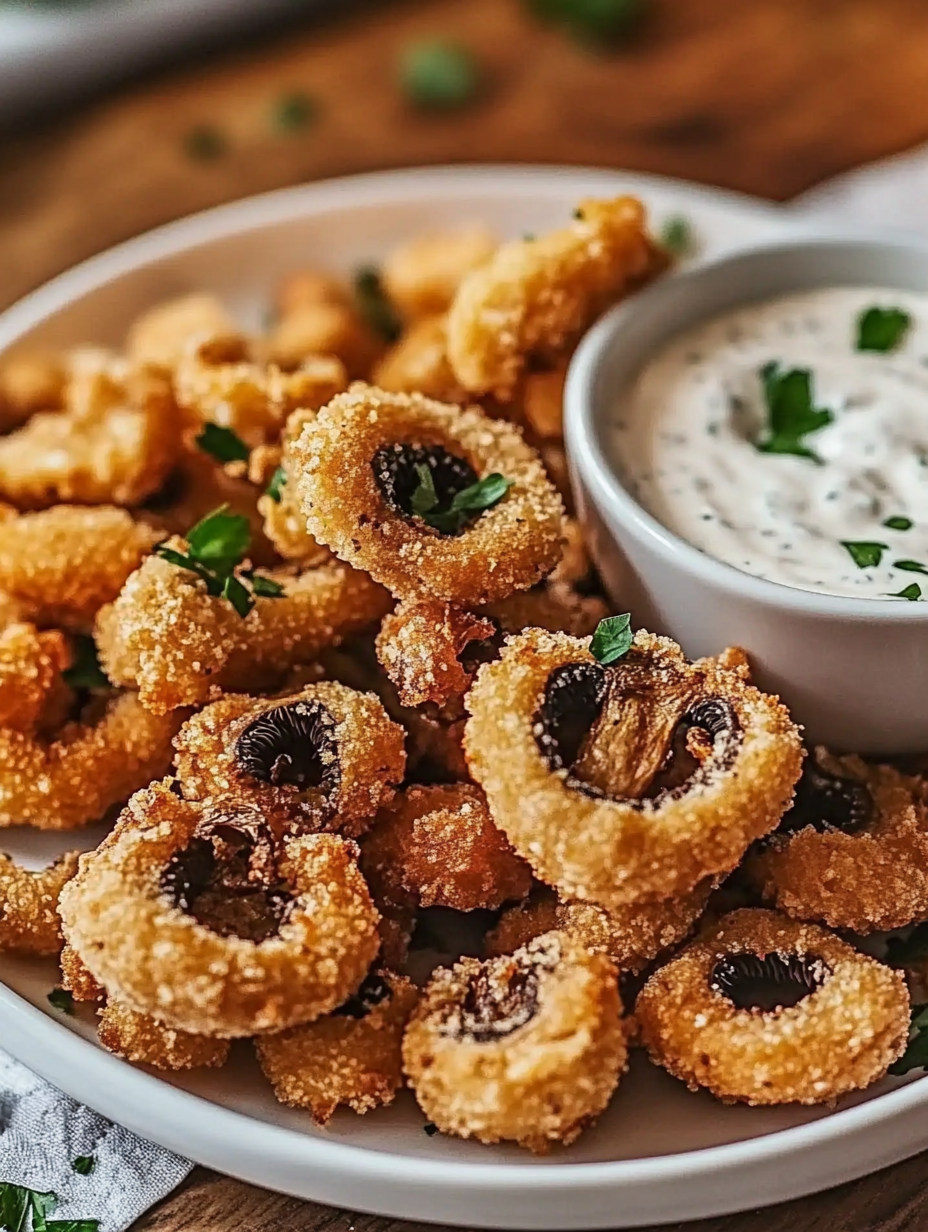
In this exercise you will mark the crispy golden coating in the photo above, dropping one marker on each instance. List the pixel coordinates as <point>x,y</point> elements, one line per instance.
<point>29,920</point>
<point>542,401</point>
<point>553,734</point>
<point>356,474</point>
<point>444,849</point>
<point>70,779</point>
<point>527,1048</point>
<point>535,297</point>
<point>553,606</point>
<point>422,276</point>
<point>326,758</point>
<point>30,382</point>
<point>159,910</point>
<point>853,851</point>
<point>145,1041</point>
<point>162,334</point>
<point>352,1057</point>
<point>216,382</point>
<point>76,979</point>
<point>632,936</point>
<point>168,638</point>
<point>421,646</point>
<point>305,287</point>
<point>418,363</point>
<point>112,444</point>
<point>284,523</point>
<point>32,692</point>
<point>765,1010</point>
<point>62,565</point>
<point>330,327</point>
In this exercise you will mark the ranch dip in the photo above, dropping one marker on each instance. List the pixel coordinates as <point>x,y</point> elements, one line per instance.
<point>769,440</point>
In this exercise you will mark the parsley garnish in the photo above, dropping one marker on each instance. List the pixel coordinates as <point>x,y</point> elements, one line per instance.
<point>910,566</point>
<point>295,111</point>
<point>912,592</point>
<point>480,496</point>
<point>439,76</point>
<point>677,236</point>
<point>85,671</point>
<point>882,329</point>
<point>205,143</point>
<point>374,304</point>
<point>865,555</point>
<point>222,444</point>
<point>596,23</point>
<point>273,489</point>
<point>612,638</point>
<point>898,523</point>
<point>69,1225</point>
<point>17,1202</point>
<point>791,411</point>
<point>216,546</point>
<point>83,1165</point>
<point>916,1054</point>
<point>61,1000</point>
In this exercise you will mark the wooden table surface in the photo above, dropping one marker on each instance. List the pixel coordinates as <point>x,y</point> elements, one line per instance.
<point>766,96</point>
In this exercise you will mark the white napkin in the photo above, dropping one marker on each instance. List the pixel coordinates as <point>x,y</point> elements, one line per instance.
<point>42,1132</point>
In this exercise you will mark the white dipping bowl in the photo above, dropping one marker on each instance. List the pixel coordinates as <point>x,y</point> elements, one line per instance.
<point>854,672</point>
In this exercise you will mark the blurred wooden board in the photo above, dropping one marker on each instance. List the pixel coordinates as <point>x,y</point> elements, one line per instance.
<point>766,96</point>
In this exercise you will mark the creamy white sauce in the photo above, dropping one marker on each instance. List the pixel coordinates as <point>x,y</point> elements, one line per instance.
<point>684,442</point>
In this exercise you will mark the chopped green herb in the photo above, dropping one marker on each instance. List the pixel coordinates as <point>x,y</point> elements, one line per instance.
<point>882,329</point>
<point>217,545</point>
<point>43,1204</point>
<point>864,554</point>
<point>430,1129</point>
<point>910,566</point>
<point>265,586</point>
<point>916,1054</point>
<point>912,592</point>
<point>902,951</point>
<point>595,23</point>
<point>529,237</point>
<point>278,480</point>
<point>83,1165</point>
<point>480,496</point>
<point>85,671</point>
<point>14,1206</point>
<point>61,1000</point>
<point>439,76</point>
<point>791,411</point>
<point>898,523</point>
<point>612,639</point>
<point>69,1225</point>
<point>577,215</point>
<point>677,236</point>
<point>295,111</point>
<point>205,143</point>
<point>222,444</point>
<point>374,304</point>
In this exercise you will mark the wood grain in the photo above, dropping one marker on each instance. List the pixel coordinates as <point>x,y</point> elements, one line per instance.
<point>765,96</point>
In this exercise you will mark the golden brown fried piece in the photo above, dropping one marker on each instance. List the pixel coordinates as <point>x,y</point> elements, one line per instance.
<point>62,565</point>
<point>32,693</point>
<point>765,1010</point>
<point>326,758</point>
<point>352,1057</point>
<point>535,297</point>
<point>76,979</point>
<point>205,919</point>
<point>422,276</point>
<point>29,383</point>
<point>439,845</point>
<point>163,334</point>
<point>112,444</point>
<point>217,382</point>
<point>29,922</point>
<point>356,476</point>
<point>421,646</point>
<point>528,1048</point>
<point>70,779</point>
<point>542,401</point>
<point>143,1040</point>
<point>175,643</point>
<point>418,363</point>
<point>317,316</point>
<point>284,523</point>
<point>852,852</point>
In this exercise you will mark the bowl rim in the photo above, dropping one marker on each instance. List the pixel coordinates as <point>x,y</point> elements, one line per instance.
<point>582,432</point>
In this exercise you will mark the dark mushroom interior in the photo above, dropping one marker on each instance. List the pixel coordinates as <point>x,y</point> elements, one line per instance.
<point>627,732</point>
<point>373,992</point>
<point>394,468</point>
<point>827,801</point>
<point>226,878</point>
<point>293,745</point>
<point>500,998</point>
<point>766,983</point>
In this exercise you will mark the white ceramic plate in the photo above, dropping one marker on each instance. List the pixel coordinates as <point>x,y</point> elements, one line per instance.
<point>660,1153</point>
